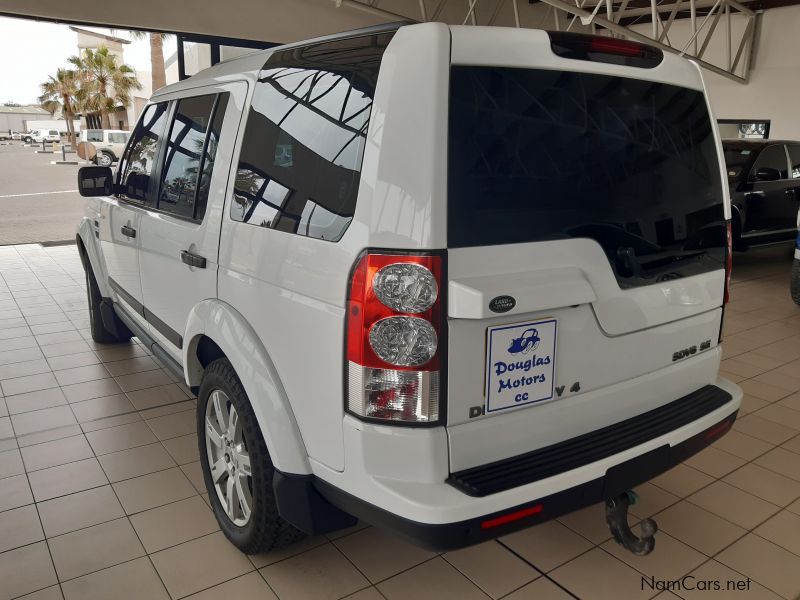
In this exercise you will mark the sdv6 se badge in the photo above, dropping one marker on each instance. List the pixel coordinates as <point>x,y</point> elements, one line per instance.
<point>520,364</point>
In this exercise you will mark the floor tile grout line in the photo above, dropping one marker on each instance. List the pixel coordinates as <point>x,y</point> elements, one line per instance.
<point>38,514</point>
<point>546,573</point>
<point>444,557</point>
<point>127,517</point>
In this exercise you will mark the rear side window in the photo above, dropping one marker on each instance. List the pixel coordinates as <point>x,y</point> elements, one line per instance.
<point>304,140</point>
<point>772,157</point>
<point>183,157</point>
<point>94,136</point>
<point>137,181</point>
<point>544,155</point>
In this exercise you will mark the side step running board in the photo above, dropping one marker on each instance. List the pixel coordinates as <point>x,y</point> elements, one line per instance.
<point>154,347</point>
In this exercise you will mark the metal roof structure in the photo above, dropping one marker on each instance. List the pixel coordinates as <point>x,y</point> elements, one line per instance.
<point>721,35</point>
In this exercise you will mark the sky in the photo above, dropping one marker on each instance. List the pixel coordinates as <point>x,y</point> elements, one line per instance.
<point>32,50</point>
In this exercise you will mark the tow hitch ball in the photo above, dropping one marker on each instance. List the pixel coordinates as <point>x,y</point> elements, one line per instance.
<point>617,520</point>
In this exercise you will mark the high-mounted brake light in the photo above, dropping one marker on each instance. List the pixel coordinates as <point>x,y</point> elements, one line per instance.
<point>579,46</point>
<point>394,334</point>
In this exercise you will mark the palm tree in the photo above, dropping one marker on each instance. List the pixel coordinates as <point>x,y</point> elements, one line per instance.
<point>103,83</point>
<point>60,92</point>
<point>157,68</point>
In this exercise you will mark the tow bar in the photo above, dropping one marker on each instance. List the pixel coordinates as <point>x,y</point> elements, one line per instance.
<point>617,520</point>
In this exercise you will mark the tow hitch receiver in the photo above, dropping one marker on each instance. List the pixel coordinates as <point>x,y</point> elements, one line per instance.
<point>617,520</point>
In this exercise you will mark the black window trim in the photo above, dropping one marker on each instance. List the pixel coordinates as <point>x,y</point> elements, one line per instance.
<point>163,156</point>
<point>751,177</point>
<point>118,193</point>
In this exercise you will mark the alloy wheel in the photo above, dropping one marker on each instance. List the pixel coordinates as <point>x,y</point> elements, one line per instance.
<point>228,458</point>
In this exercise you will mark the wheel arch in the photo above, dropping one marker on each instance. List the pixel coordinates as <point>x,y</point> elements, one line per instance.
<point>215,329</point>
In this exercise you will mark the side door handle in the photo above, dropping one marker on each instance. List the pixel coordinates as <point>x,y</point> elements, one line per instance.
<point>756,194</point>
<point>128,231</point>
<point>192,259</point>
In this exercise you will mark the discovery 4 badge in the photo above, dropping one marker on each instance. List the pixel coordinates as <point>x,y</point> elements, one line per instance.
<point>520,364</point>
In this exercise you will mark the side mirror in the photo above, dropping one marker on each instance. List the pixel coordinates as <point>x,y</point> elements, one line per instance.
<point>95,181</point>
<point>768,174</point>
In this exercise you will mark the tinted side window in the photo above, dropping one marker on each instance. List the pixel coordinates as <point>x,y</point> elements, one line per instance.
<point>184,150</point>
<point>94,136</point>
<point>117,138</point>
<point>794,157</point>
<point>136,179</point>
<point>772,157</point>
<point>304,140</point>
<point>212,141</point>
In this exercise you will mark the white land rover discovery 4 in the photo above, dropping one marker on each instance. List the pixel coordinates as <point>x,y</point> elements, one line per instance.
<point>453,281</point>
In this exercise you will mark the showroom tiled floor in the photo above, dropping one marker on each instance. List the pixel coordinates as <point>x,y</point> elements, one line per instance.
<point>101,494</point>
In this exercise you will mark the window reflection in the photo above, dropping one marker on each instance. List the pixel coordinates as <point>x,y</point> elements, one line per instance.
<point>304,139</point>
<point>138,164</point>
<point>182,161</point>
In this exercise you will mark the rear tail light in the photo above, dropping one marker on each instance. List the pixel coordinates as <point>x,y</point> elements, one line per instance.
<point>394,337</point>
<point>580,46</point>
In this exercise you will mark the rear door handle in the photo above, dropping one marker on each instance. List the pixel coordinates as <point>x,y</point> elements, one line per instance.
<point>757,194</point>
<point>128,231</point>
<point>193,260</point>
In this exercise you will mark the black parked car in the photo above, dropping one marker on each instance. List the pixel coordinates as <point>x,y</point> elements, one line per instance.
<point>764,180</point>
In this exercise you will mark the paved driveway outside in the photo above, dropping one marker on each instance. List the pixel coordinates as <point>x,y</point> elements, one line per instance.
<point>39,202</point>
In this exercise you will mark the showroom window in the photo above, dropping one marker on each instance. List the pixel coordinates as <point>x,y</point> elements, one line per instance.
<point>772,157</point>
<point>186,175</point>
<point>136,181</point>
<point>304,141</point>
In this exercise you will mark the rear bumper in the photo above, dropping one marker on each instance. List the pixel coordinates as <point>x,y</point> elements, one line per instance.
<point>585,485</point>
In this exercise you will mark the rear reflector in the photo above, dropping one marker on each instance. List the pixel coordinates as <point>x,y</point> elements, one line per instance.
<point>511,517</point>
<point>578,46</point>
<point>719,429</point>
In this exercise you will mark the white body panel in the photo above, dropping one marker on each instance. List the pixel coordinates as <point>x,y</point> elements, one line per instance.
<point>274,302</point>
<point>163,238</point>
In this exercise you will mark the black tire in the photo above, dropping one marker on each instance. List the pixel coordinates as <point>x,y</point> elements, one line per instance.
<point>99,331</point>
<point>794,287</point>
<point>104,159</point>
<point>265,530</point>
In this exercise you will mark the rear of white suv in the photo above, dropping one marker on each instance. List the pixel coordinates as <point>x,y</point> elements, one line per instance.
<point>572,349</point>
<point>452,280</point>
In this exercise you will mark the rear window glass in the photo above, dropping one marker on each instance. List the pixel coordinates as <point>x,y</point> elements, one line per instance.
<point>543,155</point>
<point>300,161</point>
